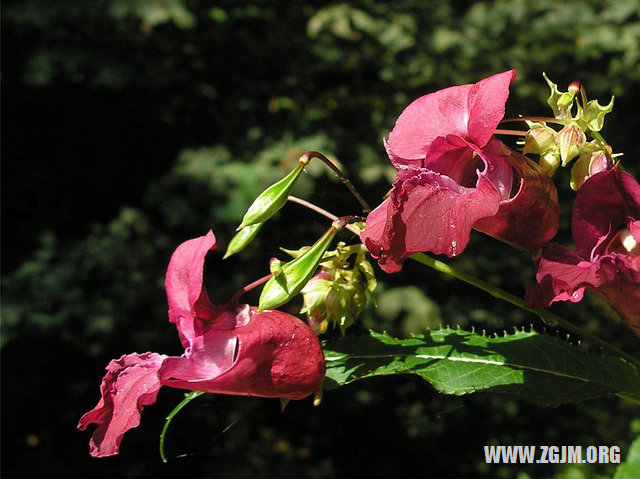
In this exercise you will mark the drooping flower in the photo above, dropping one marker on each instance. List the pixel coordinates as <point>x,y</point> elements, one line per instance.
<point>229,349</point>
<point>454,175</point>
<point>606,232</point>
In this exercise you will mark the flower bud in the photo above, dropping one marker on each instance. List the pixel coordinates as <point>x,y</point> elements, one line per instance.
<point>272,199</point>
<point>295,274</point>
<point>539,140</point>
<point>571,139</point>
<point>550,161</point>
<point>339,307</point>
<point>565,101</point>
<point>242,239</point>
<point>315,293</point>
<point>574,87</point>
<point>593,160</point>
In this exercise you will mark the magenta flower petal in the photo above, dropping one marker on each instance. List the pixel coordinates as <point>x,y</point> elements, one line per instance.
<point>604,205</point>
<point>620,287</point>
<point>426,212</point>
<point>453,175</point>
<point>530,219</point>
<point>186,297</point>
<point>563,276</point>
<point>131,383</point>
<point>272,355</point>
<point>470,112</point>
<point>605,225</point>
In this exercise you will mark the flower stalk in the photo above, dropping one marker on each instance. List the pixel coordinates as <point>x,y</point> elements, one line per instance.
<point>343,179</point>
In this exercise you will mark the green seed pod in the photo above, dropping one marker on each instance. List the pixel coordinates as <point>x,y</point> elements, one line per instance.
<point>242,239</point>
<point>272,199</point>
<point>295,274</point>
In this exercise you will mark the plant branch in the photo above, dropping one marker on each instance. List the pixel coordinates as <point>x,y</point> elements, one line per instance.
<point>499,293</point>
<point>249,287</point>
<point>545,119</point>
<point>345,181</point>
<point>499,131</point>
<point>323,212</point>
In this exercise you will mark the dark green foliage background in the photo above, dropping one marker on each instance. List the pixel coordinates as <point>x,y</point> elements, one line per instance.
<point>129,127</point>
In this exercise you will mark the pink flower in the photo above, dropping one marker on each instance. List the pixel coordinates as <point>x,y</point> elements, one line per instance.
<point>606,232</point>
<point>453,175</point>
<point>229,349</point>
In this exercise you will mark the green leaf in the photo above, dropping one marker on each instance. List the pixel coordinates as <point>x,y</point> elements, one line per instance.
<point>541,368</point>
<point>630,469</point>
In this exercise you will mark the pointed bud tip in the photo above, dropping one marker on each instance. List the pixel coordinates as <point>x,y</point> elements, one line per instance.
<point>574,87</point>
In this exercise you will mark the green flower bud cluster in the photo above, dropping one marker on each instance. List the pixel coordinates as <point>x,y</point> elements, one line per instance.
<point>579,119</point>
<point>338,293</point>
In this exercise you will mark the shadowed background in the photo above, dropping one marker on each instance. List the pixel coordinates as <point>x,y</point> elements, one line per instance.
<point>129,127</point>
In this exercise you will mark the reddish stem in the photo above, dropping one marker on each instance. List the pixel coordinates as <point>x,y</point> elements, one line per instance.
<point>345,181</point>
<point>249,287</point>
<point>324,213</point>
<point>498,131</point>
<point>533,118</point>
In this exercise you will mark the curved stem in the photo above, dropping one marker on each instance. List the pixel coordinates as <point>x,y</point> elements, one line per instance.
<point>249,287</point>
<point>188,397</point>
<point>345,181</point>
<point>323,212</point>
<point>499,293</point>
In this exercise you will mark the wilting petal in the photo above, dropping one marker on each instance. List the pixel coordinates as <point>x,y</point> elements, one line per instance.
<point>131,383</point>
<point>604,205</point>
<point>470,112</point>
<point>530,219</point>
<point>186,297</point>
<point>619,277</point>
<point>426,212</point>
<point>273,355</point>
<point>562,276</point>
